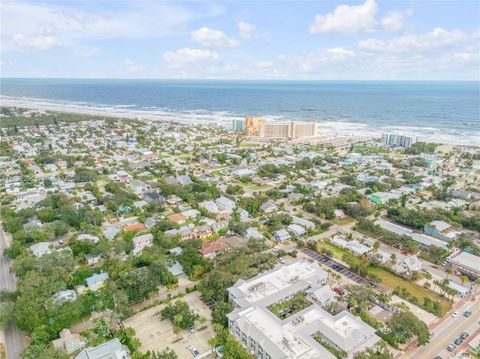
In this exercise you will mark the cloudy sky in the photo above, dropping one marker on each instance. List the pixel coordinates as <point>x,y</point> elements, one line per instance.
<point>328,40</point>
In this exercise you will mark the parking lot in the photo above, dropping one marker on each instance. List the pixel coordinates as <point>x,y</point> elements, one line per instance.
<point>337,267</point>
<point>156,334</point>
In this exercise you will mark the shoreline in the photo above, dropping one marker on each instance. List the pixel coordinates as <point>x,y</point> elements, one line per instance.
<point>329,128</point>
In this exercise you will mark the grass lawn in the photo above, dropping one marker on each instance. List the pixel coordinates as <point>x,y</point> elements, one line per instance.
<point>254,187</point>
<point>218,173</point>
<point>344,221</point>
<point>391,280</point>
<point>290,306</point>
<point>338,252</point>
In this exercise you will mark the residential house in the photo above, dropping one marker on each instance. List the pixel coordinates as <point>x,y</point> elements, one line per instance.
<point>112,349</point>
<point>69,342</point>
<point>297,229</point>
<point>64,296</point>
<point>96,281</point>
<point>268,207</point>
<point>282,235</point>
<point>441,230</point>
<point>177,218</point>
<point>213,248</point>
<point>41,248</point>
<point>140,242</point>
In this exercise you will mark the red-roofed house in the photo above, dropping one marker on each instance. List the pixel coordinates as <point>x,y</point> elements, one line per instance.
<point>134,227</point>
<point>214,248</point>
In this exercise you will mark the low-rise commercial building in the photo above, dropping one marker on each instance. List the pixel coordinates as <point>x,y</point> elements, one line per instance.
<point>467,263</point>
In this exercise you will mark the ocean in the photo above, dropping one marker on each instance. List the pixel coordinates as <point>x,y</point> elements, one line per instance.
<point>447,112</point>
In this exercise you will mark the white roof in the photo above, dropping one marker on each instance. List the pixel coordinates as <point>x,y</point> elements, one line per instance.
<point>394,228</point>
<point>427,240</point>
<point>467,260</point>
<point>440,225</point>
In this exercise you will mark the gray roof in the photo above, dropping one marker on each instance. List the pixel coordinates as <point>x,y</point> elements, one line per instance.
<point>107,350</point>
<point>96,278</point>
<point>428,241</point>
<point>176,269</point>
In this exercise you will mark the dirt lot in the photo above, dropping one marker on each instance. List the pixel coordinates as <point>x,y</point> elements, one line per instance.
<point>157,334</point>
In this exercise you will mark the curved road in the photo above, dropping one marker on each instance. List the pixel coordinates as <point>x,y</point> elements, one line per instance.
<point>13,337</point>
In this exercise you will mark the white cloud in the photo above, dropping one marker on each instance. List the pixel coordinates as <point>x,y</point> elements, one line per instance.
<point>355,19</point>
<point>189,56</point>
<point>347,19</point>
<point>43,26</point>
<point>38,42</point>
<point>393,21</point>
<point>436,39</point>
<point>246,29</point>
<point>133,66</point>
<point>213,38</point>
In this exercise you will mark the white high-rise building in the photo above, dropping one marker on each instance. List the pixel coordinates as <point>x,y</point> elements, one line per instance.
<point>393,139</point>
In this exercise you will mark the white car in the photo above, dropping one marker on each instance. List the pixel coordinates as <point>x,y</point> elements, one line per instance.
<point>455,314</point>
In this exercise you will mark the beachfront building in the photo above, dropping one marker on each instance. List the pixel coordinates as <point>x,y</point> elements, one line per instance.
<point>392,139</point>
<point>290,129</point>
<point>238,125</point>
<point>267,331</point>
<point>252,125</point>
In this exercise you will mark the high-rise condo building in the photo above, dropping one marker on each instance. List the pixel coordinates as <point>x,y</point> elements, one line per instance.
<point>393,139</point>
<point>238,125</point>
<point>253,124</point>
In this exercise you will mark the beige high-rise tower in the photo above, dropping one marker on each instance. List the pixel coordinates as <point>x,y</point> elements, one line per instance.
<point>253,124</point>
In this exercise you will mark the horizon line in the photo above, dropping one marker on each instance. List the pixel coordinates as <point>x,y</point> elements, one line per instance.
<point>227,79</point>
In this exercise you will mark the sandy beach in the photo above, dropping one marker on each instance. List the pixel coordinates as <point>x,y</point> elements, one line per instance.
<point>224,119</point>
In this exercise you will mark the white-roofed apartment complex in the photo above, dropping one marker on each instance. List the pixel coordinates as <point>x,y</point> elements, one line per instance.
<point>268,336</point>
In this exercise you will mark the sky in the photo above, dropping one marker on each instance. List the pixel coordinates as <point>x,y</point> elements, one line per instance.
<point>304,40</point>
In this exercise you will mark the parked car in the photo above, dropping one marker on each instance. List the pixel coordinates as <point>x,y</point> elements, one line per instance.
<point>458,341</point>
<point>464,335</point>
<point>430,336</point>
<point>194,350</point>
<point>467,313</point>
<point>191,329</point>
<point>451,347</point>
<point>339,291</point>
<point>438,357</point>
<point>455,314</point>
<point>405,253</point>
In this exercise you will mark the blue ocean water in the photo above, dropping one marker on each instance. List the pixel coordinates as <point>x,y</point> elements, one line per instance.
<point>451,106</point>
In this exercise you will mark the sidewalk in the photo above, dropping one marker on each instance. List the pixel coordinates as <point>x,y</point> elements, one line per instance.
<point>456,306</point>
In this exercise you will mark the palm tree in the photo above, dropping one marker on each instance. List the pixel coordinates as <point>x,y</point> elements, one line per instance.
<point>449,271</point>
<point>463,278</point>
<point>177,319</point>
<point>376,246</point>
<point>393,258</point>
<point>435,283</point>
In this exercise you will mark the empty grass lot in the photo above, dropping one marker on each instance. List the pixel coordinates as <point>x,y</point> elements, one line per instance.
<point>393,281</point>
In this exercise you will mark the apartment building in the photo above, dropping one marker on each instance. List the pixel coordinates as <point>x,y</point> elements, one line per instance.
<point>392,139</point>
<point>267,336</point>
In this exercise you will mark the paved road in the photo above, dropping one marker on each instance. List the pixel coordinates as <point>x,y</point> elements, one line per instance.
<point>14,339</point>
<point>447,332</point>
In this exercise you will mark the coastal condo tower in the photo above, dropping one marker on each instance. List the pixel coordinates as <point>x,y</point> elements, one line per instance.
<point>257,126</point>
<point>392,139</point>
